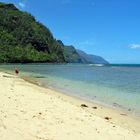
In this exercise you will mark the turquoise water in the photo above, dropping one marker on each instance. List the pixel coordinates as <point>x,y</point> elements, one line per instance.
<point>117,86</point>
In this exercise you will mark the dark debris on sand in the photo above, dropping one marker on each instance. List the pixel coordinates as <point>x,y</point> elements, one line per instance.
<point>84,105</point>
<point>94,107</point>
<point>107,118</point>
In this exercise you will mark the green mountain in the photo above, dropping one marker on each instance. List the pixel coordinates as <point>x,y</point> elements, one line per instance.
<point>70,53</point>
<point>23,39</point>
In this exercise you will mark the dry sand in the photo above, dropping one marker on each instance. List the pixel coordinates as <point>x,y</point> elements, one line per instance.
<point>30,112</point>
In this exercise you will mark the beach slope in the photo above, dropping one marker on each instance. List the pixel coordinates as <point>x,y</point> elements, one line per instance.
<point>30,112</point>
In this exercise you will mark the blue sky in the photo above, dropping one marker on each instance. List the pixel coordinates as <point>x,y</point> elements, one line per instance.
<point>109,28</point>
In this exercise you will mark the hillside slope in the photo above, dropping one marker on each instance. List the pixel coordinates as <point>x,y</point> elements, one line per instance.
<point>23,39</point>
<point>91,59</point>
<point>70,53</point>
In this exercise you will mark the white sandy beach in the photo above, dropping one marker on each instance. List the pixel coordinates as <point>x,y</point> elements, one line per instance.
<point>30,112</point>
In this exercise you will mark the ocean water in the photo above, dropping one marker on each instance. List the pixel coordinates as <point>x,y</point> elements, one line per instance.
<point>117,86</point>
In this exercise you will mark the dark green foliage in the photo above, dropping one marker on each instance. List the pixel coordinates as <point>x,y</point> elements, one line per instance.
<point>70,53</point>
<point>22,39</point>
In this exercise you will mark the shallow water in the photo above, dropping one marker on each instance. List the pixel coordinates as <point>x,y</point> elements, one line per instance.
<point>114,85</point>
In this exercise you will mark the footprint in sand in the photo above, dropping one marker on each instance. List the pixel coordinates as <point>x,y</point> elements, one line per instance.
<point>2,124</point>
<point>23,111</point>
<point>39,116</point>
<point>123,114</point>
<point>94,107</point>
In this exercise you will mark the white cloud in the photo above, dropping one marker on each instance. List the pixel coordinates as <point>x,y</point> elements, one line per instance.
<point>134,46</point>
<point>21,4</point>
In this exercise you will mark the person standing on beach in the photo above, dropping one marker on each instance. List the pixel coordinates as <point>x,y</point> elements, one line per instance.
<point>16,71</point>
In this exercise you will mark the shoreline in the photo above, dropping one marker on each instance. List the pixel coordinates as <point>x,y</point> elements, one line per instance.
<point>80,111</point>
<point>131,110</point>
<point>94,102</point>
<point>116,115</point>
